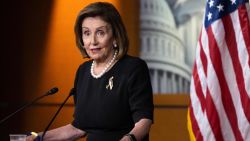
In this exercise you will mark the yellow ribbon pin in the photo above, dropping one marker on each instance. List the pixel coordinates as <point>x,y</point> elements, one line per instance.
<point>110,84</point>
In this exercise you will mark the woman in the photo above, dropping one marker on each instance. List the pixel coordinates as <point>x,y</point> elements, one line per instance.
<point>113,98</point>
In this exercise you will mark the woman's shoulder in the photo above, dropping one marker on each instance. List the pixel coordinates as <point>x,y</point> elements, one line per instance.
<point>85,65</point>
<point>132,61</point>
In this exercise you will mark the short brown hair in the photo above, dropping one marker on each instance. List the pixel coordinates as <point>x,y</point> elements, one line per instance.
<point>109,14</point>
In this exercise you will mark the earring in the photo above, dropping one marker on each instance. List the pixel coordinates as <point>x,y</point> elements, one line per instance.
<point>115,45</point>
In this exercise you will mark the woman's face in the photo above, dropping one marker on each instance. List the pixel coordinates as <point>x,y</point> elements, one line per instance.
<point>97,38</point>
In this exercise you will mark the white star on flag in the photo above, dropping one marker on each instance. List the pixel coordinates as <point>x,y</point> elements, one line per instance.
<point>233,1</point>
<point>209,16</point>
<point>211,3</point>
<point>220,7</point>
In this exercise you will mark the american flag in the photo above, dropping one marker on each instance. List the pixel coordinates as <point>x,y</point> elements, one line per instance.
<point>220,86</point>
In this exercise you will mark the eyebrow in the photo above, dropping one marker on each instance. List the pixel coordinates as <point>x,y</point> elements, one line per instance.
<point>104,26</point>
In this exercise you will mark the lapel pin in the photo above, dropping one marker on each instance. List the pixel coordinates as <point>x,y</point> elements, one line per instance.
<point>110,84</point>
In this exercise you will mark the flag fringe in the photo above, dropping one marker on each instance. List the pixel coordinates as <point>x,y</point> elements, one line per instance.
<point>189,126</point>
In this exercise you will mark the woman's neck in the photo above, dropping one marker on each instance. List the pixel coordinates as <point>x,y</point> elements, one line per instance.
<point>99,68</point>
<point>100,63</point>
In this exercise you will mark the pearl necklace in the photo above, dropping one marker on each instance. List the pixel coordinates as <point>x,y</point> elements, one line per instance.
<point>96,76</point>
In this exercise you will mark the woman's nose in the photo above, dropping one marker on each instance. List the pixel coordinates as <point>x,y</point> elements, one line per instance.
<point>94,40</point>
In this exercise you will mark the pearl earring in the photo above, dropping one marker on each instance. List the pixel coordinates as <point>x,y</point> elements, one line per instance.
<point>114,44</point>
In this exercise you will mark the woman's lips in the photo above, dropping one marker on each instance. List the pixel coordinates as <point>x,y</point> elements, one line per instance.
<point>95,50</point>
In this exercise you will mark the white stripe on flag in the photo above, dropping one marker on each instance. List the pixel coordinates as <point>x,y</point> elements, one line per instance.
<point>214,88</point>
<point>248,9</point>
<point>200,70</point>
<point>200,117</point>
<point>243,53</point>
<point>243,57</point>
<point>230,77</point>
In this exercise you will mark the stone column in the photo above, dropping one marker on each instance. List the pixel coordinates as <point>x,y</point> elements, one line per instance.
<point>164,82</point>
<point>155,82</point>
<point>143,45</point>
<point>174,84</point>
<point>180,84</point>
<point>186,89</point>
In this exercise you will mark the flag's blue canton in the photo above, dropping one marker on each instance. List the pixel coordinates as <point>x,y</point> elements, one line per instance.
<point>216,9</point>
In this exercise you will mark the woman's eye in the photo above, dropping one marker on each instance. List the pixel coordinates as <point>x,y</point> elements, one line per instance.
<point>100,33</point>
<point>86,33</point>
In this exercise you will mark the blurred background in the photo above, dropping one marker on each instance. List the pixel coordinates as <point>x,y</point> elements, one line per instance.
<point>39,52</point>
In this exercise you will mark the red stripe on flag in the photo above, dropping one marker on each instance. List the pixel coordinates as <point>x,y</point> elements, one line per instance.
<point>245,27</point>
<point>211,112</point>
<point>198,88</point>
<point>204,60</point>
<point>232,47</point>
<point>203,56</point>
<point>213,117</point>
<point>225,93</point>
<point>195,127</point>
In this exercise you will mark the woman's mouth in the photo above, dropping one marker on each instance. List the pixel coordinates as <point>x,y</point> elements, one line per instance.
<point>94,50</point>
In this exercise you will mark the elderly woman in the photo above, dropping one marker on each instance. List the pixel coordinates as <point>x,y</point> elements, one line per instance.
<point>113,98</point>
